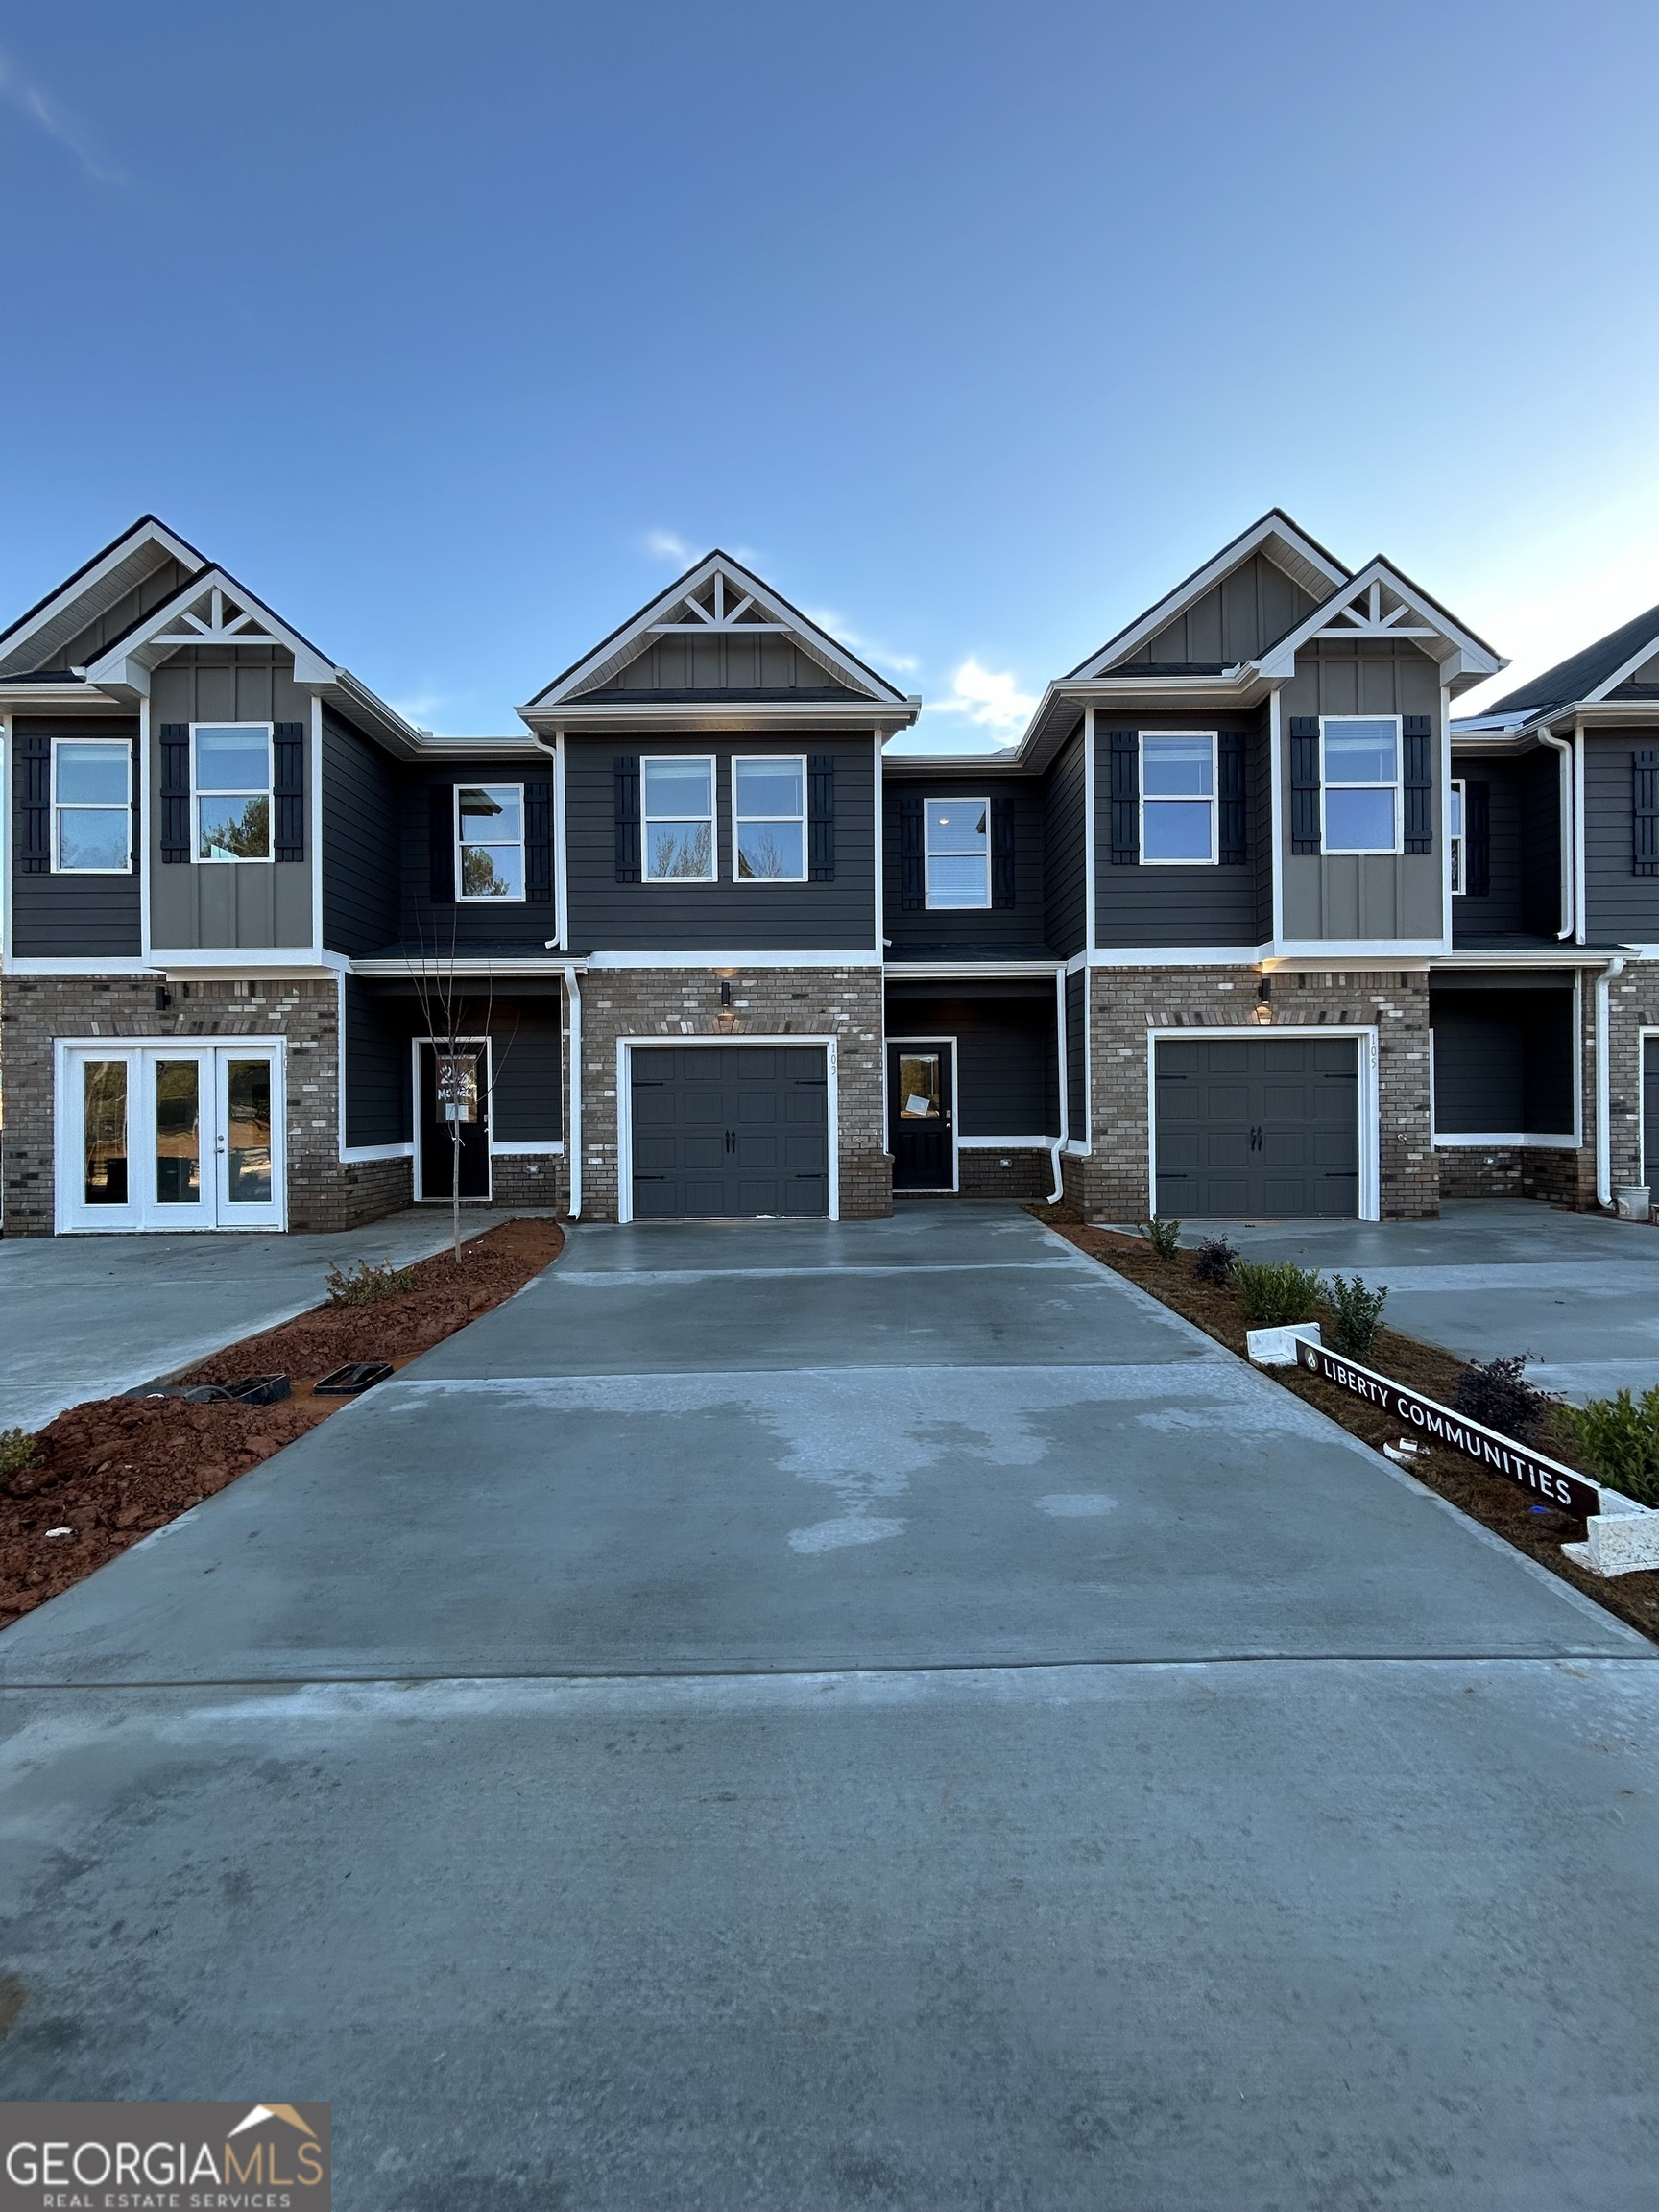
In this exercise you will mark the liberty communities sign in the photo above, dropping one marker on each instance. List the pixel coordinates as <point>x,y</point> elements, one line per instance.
<point>1500,1455</point>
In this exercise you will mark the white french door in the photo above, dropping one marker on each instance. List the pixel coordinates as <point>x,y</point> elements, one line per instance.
<point>170,1134</point>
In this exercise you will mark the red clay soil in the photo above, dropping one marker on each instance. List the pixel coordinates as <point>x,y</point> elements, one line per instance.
<point>113,1469</point>
<point>1504,1507</point>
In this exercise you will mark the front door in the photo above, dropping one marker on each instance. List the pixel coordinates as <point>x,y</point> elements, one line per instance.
<point>173,1135</point>
<point>455,1101</point>
<point>922,1113</point>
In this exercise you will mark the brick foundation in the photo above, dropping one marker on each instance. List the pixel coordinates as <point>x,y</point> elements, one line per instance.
<point>1126,1004</point>
<point>679,1005</point>
<point>1016,1175</point>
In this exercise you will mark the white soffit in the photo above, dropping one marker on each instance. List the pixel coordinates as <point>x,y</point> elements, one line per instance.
<point>1379,606</point>
<point>211,609</point>
<point>92,591</point>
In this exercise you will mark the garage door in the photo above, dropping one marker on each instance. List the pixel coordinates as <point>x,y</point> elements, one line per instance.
<point>1257,1126</point>
<point>729,1129</point>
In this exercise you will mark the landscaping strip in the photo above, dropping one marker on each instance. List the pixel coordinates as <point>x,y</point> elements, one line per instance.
<point>1508,1511</point>
<point>106,1473</point>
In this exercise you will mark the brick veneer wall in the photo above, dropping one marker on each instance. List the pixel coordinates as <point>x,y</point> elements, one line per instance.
<point>679,1005</point>
<point>981,1174</point>
<point>1126,1004</point>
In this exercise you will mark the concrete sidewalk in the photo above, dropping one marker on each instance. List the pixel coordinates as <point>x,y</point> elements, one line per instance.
<point>1577,1292</point>
<point>89,1317</point>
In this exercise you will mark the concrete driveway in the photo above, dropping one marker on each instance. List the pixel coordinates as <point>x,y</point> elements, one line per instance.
<point>89,1317</point>
<point>1580,1294</point>
<point>829,1716</point>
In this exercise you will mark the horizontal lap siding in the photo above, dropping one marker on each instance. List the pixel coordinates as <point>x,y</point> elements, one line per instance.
<point>515,926</point>
<point>526,1044</point>
<point>1497,914</point>
<point>361,802</point>
<point>1621,906</point>
<point>1154,906</point>
<point>608,916</point>
<point>73,917</point>
<point>979,932</point>
<point>1064,896</point>
<point>377,1077</point>
<point>1502,1062</point>
<point>529,1071</point>
<point>1007,1073</point>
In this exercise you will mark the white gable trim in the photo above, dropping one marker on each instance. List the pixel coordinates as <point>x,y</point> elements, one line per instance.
<point>1307,565</point>
<point>1355,610</point>
<point>1620,675</point>
<point>211,609</point>
<point>57,619</point>
<point>740,597</point>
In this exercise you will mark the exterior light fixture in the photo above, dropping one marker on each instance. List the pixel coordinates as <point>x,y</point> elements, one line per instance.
<point>1262,1010</point>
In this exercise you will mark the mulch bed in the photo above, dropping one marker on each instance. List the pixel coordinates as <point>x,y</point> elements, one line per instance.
<point>115,1468</point>
<point>1501,1506</point>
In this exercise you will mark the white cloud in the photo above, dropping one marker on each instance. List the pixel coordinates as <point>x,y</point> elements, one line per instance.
<point>418,706</point>
<point>664,545</point>
<point>989,697</point>
<point>46,115</point>
<point>867,648</point>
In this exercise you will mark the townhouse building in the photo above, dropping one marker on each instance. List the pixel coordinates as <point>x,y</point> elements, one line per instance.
<point>1245,923</point>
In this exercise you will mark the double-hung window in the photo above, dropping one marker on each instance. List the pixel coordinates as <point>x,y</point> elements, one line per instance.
<point>958,851</point>
<point>1454,838</point>
<point>769,820</point>
<point>679,820</point>
<point>489,841</point>
<point>1360,783</point>
<point>91,806</point>
<point>231,763</point>
<point>1178,796</point>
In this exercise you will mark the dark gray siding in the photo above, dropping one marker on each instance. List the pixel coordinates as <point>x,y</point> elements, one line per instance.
<point>1235,620</point>
<point>981,932</point>
<point>1065,890</point>
<point>1077,1055</point>
<point>1502,1060</point>
<point>1541,907</point>
<point>1007,1061</point>
<point>73,917</point>
<point>1620,907</point>
<point>377,1066</point>
<point>1525,874</point>
<point>517,926</point>
<point>525,1033</point>
<point>529,1070</point>
<point>608,916</point>
<point>362,800</point>
<point>1163,905</point>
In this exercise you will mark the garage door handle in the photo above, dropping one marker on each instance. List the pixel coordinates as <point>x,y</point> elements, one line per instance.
<point>730,1139</point>
<point>1256,1139</point>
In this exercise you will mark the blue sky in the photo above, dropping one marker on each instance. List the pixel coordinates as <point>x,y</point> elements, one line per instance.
<point>456,332</point>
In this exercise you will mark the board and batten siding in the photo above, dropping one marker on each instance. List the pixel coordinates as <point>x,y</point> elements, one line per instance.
<point>721,916</point>
<point>152,592</point>
<point>1347,897</point>
<point>968,933</point>
<point>73,917</point>
<point>1619,907</point>
<point>1237,619</point>
<point>1065,891</point>
<point>1159,905</point>
<point>1007,1054</point>
<point>229,906</point>
<point>362,803</point>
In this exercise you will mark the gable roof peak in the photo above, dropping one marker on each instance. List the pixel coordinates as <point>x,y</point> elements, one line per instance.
<point>97,586</point>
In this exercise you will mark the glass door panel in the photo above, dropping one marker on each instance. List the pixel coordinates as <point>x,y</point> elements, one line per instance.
<point>250,1139</point>
<point>103,1132</point>
<point>179,1103</point>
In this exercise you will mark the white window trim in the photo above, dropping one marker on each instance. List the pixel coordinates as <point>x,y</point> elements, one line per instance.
<point>648,760</point>
<point>266,859</point>
<point>1455,846</point>
<point>490,898</point>
<point>77,807</point>
<point>1327,850</point>
<point>744,759</point>
<point>1214,736</point>
<point>954,799</point>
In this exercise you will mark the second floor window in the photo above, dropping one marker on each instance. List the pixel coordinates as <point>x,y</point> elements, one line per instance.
<point>1362,782</point>
<point>679,820</point>
<point>769,820</point>
<point>489,841</point>
<point>1178,797</point>
<point>231,765</point>
<point>1454,839</point>
<point>91,807</point>
<point>958,851</point>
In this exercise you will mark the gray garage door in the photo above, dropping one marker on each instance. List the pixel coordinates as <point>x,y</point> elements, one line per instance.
<point>1257,1126</point>
<point>729,1129</point>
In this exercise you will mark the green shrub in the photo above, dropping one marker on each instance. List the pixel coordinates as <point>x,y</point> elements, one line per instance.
<point>1619,1438</point>
<point>1163,1235</point>
<point>1356,1315</point>
<point>364,1285</point>
<point>1214,1260</point>
<point>1272,1293</point>
<point>18,1453</point>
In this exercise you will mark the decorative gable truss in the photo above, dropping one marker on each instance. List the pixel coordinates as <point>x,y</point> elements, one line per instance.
<point>212,610</point>
<point>1377,607</point>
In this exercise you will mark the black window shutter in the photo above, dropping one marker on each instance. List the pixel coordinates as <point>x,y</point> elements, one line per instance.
<point>539,840</point>
<point>912,862</point>
<point>626,773</point>
<point>1304,782</point>
<point>175,791</point>
<point>34,804</point>
<point>1417,729</point>
<point>1001,848</point>
<point>1234,841</point>
<point>442,801</point>
<point>1125,747</point>
<point>1645,811</point>
<point>135,827</point>
<point>821,817</point>
<point>1478,839</point>
<point>289,789</point>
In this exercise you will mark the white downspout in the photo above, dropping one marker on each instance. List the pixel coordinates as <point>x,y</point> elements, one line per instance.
<point>1603,1084</point>
<point>1061,1048</point>
<point>573,1140</point>
<point>1567,815</point>
<point>1580,888</point>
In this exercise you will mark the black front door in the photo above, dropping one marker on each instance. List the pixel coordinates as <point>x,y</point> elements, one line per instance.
<point>464,1104</point>
<point>921,1113</point>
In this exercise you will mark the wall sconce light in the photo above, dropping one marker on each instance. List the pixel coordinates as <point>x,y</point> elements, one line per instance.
<point>1262,1010</point>
<point>163,998</point>
<point>725,994</point>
